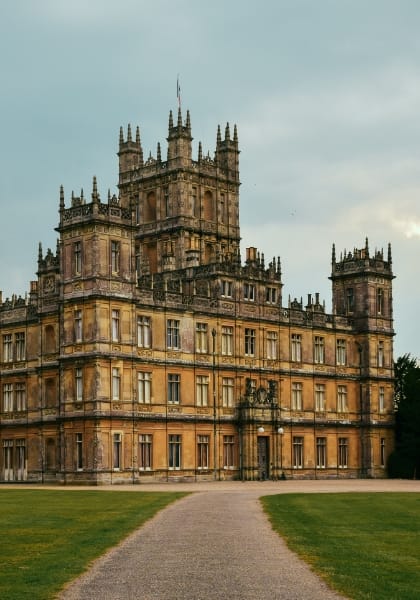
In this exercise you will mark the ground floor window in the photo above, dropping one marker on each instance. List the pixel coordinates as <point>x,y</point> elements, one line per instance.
<point>175,447</point>
<point>145,451</point>
<point>298,452</point>
<point>203,452</point>
<point>117,446</point>
<point>382,451</point>
<point>79,451</point>
<point>14,460</point>
<point>228,451</point>
<point>321,452</point>
<point>343,453</point>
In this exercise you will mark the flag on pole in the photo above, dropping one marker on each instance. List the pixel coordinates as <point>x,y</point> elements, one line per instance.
<point>178,92</point>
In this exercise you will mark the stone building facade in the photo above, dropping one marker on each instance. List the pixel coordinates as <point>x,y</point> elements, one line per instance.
<point>148,350</point>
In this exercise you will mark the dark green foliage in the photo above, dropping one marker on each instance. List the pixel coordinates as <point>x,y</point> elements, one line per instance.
<point>366,546</point>
<point>404,462</point>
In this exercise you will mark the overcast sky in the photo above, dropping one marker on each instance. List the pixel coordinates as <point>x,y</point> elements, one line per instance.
<point>325,94</point>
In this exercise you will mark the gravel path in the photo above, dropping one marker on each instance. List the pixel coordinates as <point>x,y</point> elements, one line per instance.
<point>210,545</point>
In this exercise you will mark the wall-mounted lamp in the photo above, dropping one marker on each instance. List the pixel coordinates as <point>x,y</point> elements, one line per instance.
<point>261,429</point>
<point>280,430</point>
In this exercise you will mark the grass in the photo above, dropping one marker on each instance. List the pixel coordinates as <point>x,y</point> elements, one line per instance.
<point>48,537</point>
<point>363,545</point>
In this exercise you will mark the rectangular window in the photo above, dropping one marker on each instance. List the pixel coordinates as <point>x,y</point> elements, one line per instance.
<point>249,342</point>
<point>297,403</point>
<point>350,300</point>
<point>342,398</point>
<point>172,334</point>
<point>227,288</point>
<point>144,387</point>
<point>78,326</point>
<point>7,348</point>
<point>20,345</point>
<point>175,447</point>
<point>270,295</point>
<point>297,452</point>
<point>249,292</point>
<point>227,340</point>
<point>272,345</point>
<point>341,352</point>
<point>343,453</point>
<point>382,452</point>
<point>77,256</point>
<point>8,397</point>
<point>8,462</point>
<point>320,397</point>
<point>174,388</point>
<point>145,452</point>
<point>21,459</point>
<point>321,452</point>
<point>144,332</point>
<point>202,390</point>
<point>203,452</point>
<point>115,325</point>
<point>79,451</point>
<point>319,350</point>
<point>201,339</point>
<point>115,257</point>
<point>20,393</point>
<point>380,301</point>
<point>227,392</point>
<point>116,384</point>
<point>228,452</point>
<point>296,347</point>
<point>79,384</point>
<point>381,400</point>
<point>117,454</point>
<point>380,354</point>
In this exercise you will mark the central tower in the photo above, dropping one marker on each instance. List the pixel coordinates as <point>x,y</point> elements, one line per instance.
<point>187,211</point>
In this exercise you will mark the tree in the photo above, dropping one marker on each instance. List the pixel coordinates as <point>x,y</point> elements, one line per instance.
<point>405,460</point>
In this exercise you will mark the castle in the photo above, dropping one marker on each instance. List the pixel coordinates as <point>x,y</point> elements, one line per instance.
<point>148,350</point>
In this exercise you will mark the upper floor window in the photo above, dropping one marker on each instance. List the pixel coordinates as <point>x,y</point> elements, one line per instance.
<point>78,326</point>
<point>77,257</point>
<point>167,207</point>
<point>227,391</point>
<point>8,397</point>
<point>296,347</point>
<point>20,345</point>
<point>144,387</point>
<point>144,332</point>
<point>341,352</point>
<point>342,398</point>
<point>249,342</point>
<point>174,388</point>
<point>202,390</point>
<point>7,348</point>
<point>381,399</point>
<point>297,403</point>
<point>320,397</point>
<point>319,350</point>
<point>201,338</point>
<point>249,292</point>
<point>381,355</point>
<point>173,341</point>
<point>115,257</point>
<point>79,384</point>
<point>227,288</point>
<point>20,394</point>
<point>380,301</point>
<point>350,299</point>
<point>227,340</point>
<point>115,325</point>
<point>272,345</point>
<point>116,383</point>
<point>271,295</point>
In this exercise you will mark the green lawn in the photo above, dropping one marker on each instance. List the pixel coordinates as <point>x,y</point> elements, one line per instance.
<point>48,537</point>
<point>363,545</point>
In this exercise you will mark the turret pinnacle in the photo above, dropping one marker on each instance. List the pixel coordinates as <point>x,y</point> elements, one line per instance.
<point>171,120</point>
<point>188,122</point>
<point>121,137</point>
<point>61,197</point>
<point>219,135</point>
<point>129,133</point>
<point>200,152</point>
<point>95,195</point>
<point>235,134</point>
<point>179,124</point>
<point>227,132</point>
<point>333,254</point>
<point>138,135</point>
<point>158,153</point>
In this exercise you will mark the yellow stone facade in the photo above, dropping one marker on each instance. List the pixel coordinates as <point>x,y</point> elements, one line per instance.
<point>147,349</point>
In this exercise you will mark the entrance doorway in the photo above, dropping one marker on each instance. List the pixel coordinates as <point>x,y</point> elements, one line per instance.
<point>263,457</point>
